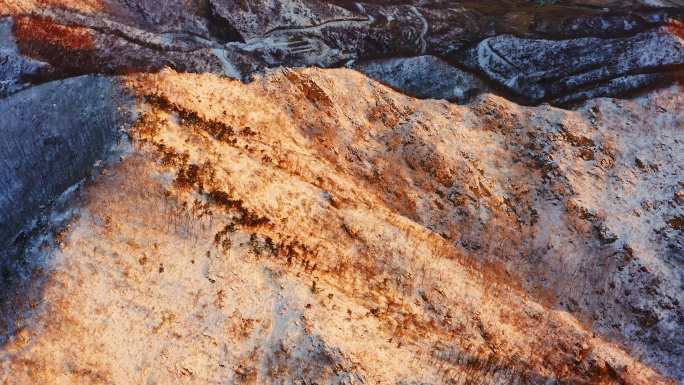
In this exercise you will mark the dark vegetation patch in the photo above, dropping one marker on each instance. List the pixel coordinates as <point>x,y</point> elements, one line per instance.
<point>246,217</point>
<point>677,222</point>
<point>222,238</point>
<point>193,175</point>
<point>576,140</point>
<point>218,130</point>
<point>312,91</point>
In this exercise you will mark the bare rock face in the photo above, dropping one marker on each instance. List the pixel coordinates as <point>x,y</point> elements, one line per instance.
<point>488,193</point>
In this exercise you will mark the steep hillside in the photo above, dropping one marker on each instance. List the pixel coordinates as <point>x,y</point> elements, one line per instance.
<point>316,226</point>
<point>182,202</point>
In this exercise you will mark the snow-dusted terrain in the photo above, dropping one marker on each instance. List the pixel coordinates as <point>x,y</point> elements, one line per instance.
<point>182,203</point>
